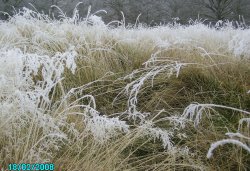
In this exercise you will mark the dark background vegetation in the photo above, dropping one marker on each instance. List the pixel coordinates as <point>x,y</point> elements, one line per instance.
<point>152,11</point>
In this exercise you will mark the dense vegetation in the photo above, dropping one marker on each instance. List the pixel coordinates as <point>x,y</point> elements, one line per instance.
<point>89,96</point>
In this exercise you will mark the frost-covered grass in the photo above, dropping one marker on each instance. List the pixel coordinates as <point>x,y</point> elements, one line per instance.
<point>89,96</point>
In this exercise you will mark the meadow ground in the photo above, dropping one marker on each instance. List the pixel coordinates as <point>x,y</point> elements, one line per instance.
<point>88,96</point>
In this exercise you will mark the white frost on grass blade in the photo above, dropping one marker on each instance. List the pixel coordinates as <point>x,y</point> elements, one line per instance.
<point>226,141</point>
<point>194,112</point>
<point>104,128</point>
<point>101,127</point>
<point>242,121</point>
<point>153,67</point>
<point>157,133</point>
<point>237,135</point>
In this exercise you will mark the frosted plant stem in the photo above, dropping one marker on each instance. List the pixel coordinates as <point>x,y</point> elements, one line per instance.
<point>49,135</point>
<point>223,142</point>
<point>63,94</point>
<point>28,138</point>
<point>226,107</point>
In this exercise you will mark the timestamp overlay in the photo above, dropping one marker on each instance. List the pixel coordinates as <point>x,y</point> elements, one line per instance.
<point>31,167</point>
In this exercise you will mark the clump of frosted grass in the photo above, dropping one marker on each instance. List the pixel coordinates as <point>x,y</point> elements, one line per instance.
<point>25,103</point>
<point>153,67</point>
<point>240,43</point>
<point>90,19</point>
<point>104,128</point>
<point>101,127</point>
<point>40,30</point>
<point>194,113</point>
<point>148,129</point>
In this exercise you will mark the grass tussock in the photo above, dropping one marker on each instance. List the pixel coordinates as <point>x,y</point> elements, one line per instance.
<point>86,96</point>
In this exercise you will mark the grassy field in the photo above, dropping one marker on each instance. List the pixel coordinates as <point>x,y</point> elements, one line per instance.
<point>88,96</point>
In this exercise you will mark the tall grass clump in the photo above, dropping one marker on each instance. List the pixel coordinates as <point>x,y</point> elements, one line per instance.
<point>86,95</point>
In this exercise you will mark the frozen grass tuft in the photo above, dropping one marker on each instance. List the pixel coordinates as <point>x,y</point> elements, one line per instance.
<point>25,104</point>
<point>194,112</point>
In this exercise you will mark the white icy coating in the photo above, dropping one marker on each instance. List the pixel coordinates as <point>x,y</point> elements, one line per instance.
<point>223,142</point>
